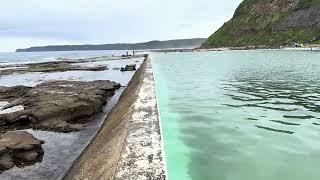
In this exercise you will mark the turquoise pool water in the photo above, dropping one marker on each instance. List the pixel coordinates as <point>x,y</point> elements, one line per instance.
<point>240,115</point>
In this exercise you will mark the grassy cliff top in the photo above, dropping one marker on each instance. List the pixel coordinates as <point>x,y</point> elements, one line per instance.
<point>270,23</point>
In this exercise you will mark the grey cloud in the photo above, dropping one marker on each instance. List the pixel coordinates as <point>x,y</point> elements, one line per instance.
<point>110,21</point>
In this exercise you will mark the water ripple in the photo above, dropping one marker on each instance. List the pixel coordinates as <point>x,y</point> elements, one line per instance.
<point>240,114</point>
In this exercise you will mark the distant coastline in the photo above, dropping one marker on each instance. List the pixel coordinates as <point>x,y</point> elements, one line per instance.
<point>176,44</point>
<point>304,48</point>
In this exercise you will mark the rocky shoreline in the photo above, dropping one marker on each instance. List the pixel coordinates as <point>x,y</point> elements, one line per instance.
<point>61,106</point>
<point>55,105</point>
<point>19,149</point>
<point>62,65</point>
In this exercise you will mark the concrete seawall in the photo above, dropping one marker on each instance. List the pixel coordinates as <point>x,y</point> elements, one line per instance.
<point>129,144</point>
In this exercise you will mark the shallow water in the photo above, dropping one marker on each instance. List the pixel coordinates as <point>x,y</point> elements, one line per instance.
<point>34,78</point>
<point>36,57</point>
<point>240,114</point>
<point>61,149</point>
<point>9,110</point>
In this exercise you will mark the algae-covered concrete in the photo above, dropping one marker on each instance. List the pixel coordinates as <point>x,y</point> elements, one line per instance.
<point>129,145</point>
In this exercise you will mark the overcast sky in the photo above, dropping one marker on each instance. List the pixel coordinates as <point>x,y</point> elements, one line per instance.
<point>25,23</point>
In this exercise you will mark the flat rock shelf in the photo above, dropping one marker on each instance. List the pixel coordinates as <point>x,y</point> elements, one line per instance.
<point>61,106</point>
<point>59,110</point>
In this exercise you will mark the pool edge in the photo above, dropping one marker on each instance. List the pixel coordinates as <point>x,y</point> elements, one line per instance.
<point>107,156</point>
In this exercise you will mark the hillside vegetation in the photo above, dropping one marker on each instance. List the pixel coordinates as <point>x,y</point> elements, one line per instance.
<point>270,23</point>
<point>179,43</point>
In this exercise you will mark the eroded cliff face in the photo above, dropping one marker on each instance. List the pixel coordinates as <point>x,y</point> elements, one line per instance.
<point>272,6</point>
<point>306,18</point>
<point>270,23</point>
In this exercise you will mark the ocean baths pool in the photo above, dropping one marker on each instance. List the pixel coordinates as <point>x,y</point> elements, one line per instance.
<point>240,114</point>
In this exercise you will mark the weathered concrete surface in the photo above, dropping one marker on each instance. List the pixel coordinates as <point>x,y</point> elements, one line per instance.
<point>19,148</point>
<point>143,157</point>
<point>129,145</point>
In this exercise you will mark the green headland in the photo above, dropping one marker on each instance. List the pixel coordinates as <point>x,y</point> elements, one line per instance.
<point>270,23</point>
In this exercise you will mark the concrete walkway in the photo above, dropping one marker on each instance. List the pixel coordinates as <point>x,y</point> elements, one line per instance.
<point>129,145</point>
<point>143,156</point>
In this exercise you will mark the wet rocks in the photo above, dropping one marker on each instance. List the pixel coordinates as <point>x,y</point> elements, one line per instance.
<point>61,106</point>
<point>56,66</point>
<point>19,149</point>
<point>129,67</point>
<point>60,66</point>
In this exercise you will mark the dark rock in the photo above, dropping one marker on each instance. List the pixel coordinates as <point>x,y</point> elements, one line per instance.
<point>28,156</point>
<point>130,67</point>
<point>19,148</point>
<point>6,162</point>
<point>13,92</point>
<point>61,66</point>
<point>57,66</point>
<point>61,106</point>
